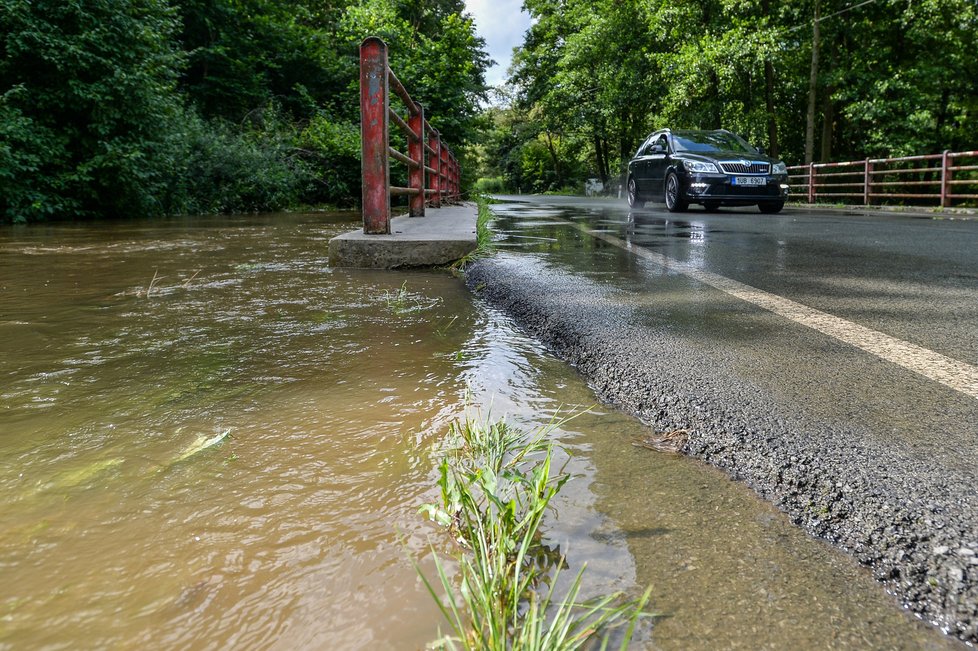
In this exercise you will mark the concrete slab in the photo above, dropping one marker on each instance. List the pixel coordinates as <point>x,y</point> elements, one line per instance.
<point>442,236</point>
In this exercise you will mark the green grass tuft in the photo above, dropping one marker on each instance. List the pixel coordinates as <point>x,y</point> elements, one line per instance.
<point>496,487</point>
<point>483,235</point>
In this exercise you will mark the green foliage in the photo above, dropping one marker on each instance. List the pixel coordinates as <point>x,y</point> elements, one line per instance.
<point>496,487</point>
<point>490,185</point>
<point>88,100</point>
<point>226,169</point>
<point>332,149</point>
<point>144,107</point>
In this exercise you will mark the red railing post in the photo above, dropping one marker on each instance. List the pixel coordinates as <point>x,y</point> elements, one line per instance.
<point>945,179</point>
<point>451,177</point>
<point>811,182</point>
<point>435,164</point>
<point>443,175</point>
<point>416,154</point>
<point>375,164</point>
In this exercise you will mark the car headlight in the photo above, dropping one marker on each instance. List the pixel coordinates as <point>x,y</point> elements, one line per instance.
<point>779,168</point>
<point>700,166</point>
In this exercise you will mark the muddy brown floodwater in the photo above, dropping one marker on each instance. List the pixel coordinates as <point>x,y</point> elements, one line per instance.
<point>209,439</point>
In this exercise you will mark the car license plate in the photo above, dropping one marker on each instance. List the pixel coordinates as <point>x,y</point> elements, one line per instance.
<point>749,180</point>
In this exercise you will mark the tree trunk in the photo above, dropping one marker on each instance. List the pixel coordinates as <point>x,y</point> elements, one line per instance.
<point>772,124</point>
<point>556,161</point>
<point>599,159</point>
<point>828,124</point>
<point>717,112</point>
<point>812,83</point>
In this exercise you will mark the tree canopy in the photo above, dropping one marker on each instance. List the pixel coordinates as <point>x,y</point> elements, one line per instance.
<point>592,78</point>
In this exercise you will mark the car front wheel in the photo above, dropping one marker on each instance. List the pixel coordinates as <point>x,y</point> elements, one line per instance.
<point>634,200</point>
<point>771,208</point>
<point>674,199</point>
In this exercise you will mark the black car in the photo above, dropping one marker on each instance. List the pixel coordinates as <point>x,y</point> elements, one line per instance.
<point>712,168</point>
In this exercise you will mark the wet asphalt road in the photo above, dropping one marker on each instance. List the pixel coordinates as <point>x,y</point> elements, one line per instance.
<point>865,431</point>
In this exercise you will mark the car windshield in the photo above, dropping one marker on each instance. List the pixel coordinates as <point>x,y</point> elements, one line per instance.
<point>706,141</point>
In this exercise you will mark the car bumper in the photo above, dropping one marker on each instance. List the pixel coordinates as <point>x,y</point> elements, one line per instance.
<point>708,188</point>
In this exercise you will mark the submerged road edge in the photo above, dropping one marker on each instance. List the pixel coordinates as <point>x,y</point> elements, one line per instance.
<point>902,516</point>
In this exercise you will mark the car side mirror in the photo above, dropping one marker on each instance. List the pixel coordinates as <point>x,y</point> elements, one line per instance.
<point>760,150</point>
<point>657,149</point>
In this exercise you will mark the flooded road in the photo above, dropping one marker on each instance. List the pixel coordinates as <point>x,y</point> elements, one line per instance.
<point>209,439</point>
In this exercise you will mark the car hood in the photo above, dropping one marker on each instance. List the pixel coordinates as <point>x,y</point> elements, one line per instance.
<point>725,156</point>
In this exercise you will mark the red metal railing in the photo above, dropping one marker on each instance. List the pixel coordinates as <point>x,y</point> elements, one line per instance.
<point>943,178</point>
<point>427,156</point>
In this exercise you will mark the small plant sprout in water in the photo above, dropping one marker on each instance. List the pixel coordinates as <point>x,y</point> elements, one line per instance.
<point>401,301</point>
<point>397,301</point>
<point>442,329</point>
<point>496,487</point>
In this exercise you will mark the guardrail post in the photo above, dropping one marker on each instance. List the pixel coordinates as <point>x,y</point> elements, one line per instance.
<point>416,154</point>
<point>443,175</point>
<point>867,181</point>
<point>435,164</point>
<point>374,131</point>
<point>811,182</point>
<point>945,179</point>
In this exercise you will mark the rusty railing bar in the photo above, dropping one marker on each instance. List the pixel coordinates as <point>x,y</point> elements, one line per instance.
<point>905,158</point>
<point>402,125</point>
<point>401,157</point>
<point>896,195</point>
<point>401,191</point>
<point>402,92</point>
<point>844,164</point>
<point>833,174</point>
<point>907,170</point>
<point>904,183</point>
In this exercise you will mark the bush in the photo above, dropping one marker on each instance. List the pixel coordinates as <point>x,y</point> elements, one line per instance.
<point>492,185</point>
<point>332,148</point>
<point>226,168</point>
<point>88,106</point>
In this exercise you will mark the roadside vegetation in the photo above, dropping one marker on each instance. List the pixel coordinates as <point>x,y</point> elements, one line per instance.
<point>132,108</point>
<point>497,484</point>
<point>809,80</point>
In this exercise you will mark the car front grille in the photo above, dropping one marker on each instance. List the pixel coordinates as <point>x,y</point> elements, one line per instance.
<point>750,168</point>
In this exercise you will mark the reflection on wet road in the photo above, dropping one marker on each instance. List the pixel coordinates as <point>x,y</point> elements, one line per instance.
<point>903,286</point>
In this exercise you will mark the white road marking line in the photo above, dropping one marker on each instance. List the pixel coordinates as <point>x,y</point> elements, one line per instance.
<point>950,372</point>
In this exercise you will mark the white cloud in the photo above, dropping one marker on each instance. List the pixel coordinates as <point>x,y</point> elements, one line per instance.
<point>502,23</point>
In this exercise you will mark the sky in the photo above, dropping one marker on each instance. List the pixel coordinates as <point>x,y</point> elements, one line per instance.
<point>502,23</point>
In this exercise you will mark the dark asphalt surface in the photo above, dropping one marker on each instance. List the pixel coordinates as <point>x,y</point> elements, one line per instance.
<point>861,451</point>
